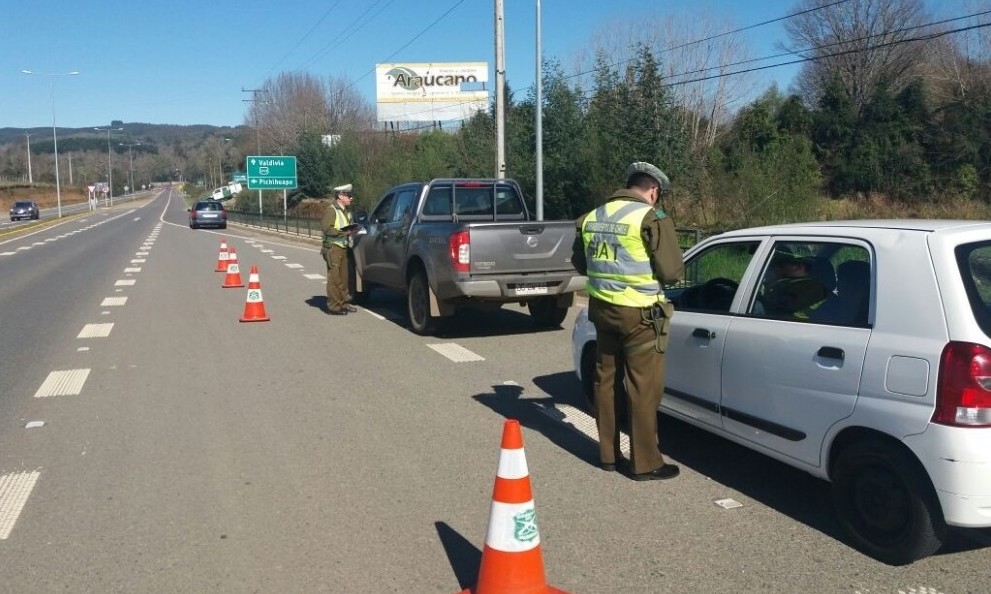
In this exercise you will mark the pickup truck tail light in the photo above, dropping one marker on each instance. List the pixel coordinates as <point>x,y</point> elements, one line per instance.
<point>460,250</point>
<point>963,394</point>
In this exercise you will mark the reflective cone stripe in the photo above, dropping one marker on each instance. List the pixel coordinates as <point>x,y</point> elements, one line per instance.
<point>512,562</point>
<point>222,257</point>
<point>254,305</point>
<point>233,278</point>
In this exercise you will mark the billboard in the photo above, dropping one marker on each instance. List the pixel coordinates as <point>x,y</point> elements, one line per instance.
<point>428,92</point>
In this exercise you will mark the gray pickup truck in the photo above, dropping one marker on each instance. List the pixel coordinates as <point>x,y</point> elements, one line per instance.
<point>452,243</point>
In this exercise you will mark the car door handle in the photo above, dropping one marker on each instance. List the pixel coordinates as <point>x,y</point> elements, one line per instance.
<point>703,333</point>
<point>831,353</point>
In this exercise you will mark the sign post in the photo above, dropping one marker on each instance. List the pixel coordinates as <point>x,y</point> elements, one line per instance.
<point>270,172</point>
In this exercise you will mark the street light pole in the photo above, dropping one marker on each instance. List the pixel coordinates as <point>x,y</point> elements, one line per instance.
<point>130,160</point>
<point>58,183</point>
<point>110,166</point>
<point>30,177</point>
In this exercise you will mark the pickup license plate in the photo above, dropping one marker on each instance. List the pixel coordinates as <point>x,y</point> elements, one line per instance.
<point>531,289</point>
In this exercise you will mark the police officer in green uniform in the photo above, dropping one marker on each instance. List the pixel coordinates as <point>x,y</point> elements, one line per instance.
<point>336,244</point>
<point>628,248</point>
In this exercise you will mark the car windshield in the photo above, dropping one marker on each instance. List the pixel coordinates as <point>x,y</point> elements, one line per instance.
<point>23,204</point>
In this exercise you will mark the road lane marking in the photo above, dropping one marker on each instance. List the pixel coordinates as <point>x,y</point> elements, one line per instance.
<point>138,261</point>
<point>279,258</point>
<point>113,301</point>
<point>96,330</point>
<point>455,352</point>
<point>581,422</point>
<point>315,276</point>
<point>133,269</point>
<point>294,266</point>
<point>14,492</point>
<point>68,382</point>
<point>125,282</point>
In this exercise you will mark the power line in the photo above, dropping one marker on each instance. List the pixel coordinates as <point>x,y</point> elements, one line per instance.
<point>304,37</point>
<point>351,29</point>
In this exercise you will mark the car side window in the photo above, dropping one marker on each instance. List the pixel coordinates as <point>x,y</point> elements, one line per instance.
<point>822,282</point>
<point>404,207</point>
<point>383,211</point>
<point>712,277</point>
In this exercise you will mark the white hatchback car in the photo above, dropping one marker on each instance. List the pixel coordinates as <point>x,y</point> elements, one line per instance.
<point>881,384</point>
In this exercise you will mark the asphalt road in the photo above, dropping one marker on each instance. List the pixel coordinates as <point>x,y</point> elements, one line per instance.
<point>184,451</point>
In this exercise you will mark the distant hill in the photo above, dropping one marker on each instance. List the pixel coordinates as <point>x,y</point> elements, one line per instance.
<point>158,134</point>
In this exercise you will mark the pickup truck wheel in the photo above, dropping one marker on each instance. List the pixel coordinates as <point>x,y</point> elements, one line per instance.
<point>418,302</point>
<point>546,313</point>
<point>885,503</point>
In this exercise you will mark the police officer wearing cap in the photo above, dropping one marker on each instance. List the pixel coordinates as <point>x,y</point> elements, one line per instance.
<point>628,249</point>
<point>336,244</point>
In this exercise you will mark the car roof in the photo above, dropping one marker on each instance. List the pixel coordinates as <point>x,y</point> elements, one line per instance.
<point>922,225</point>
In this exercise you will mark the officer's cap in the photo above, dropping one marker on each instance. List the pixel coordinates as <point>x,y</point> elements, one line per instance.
<point>643,167</point>
<point>345,189</point>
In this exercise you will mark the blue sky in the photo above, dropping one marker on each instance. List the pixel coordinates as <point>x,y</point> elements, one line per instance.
<point>186,62</point>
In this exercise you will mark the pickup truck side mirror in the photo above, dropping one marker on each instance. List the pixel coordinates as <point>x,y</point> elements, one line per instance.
<point>361,218</point>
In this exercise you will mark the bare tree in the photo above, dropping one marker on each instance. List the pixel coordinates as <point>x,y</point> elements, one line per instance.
<point>348,110</point>
<point>864,42</point>
<point>696,53</point>
<point>960,63</point>
<point>294,104</point>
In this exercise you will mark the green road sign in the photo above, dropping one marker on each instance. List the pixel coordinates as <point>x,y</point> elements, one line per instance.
<point>276,172</point>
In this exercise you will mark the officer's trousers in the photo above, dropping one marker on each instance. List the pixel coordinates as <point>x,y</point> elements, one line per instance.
<point>625,351</point>
<point>337,276</point>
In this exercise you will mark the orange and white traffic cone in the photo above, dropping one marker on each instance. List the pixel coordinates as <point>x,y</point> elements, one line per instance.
<point>233,278</point>
<point>511,561</point>
<point>254,306</point>
<point>222,257</point>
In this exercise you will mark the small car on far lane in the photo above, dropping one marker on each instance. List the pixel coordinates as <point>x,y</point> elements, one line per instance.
<point>881,385</point>
<point>24,209</point>
<point>207,213</point>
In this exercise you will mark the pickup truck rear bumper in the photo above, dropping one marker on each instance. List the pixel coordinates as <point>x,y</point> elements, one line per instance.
<point>513,288</point>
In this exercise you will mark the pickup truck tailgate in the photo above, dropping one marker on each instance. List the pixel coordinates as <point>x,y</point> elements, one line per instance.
<point>521,247</point>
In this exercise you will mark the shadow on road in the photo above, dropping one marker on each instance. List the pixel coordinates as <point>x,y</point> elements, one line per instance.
<point>464,557</point>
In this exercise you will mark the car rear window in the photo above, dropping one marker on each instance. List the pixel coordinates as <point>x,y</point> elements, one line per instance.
<point>974,261</point>
<point>209,206</point>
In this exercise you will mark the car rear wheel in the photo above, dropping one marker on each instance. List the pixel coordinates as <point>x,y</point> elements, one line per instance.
<point>546,313</point>
<point>418,302</point>
<point>885,503</point>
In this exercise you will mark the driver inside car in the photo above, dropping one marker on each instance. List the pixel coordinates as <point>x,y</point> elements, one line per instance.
<point>794,292</point>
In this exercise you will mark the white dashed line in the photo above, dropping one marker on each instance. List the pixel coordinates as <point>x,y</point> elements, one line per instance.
<point>63,383</point>
<point>268,251</point>
<point>113,301</point>
<point>14,492</point>
<point>315,276</point>
<point>96,330</point>
<point>455,352</point>
<point>138,261</point>
<point>294,266</point>
<point>279,258</point>
<point>582,422</point>
<point>125,282</point>
<point>134,269</point>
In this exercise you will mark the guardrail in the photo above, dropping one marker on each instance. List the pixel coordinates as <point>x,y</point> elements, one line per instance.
<point>280,223</point>
<point>310,226</point>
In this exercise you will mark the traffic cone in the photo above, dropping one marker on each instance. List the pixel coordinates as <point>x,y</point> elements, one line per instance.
<point>233,278</point>
<point>254,306</point>
<point>222,257</point>
<point>511,561</point>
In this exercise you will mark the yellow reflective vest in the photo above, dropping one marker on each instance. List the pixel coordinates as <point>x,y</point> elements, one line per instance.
<point>619,270</point>
<point>340,221</point>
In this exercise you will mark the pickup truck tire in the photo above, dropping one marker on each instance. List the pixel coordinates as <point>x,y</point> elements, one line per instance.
<point>418,304</point>
<point>546,313</point>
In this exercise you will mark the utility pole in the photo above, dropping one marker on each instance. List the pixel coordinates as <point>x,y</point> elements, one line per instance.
<point>539,124</point>
<point>254,112</point>
<point>500,37</point>
<point>30,177</point>
<point>110,162</point>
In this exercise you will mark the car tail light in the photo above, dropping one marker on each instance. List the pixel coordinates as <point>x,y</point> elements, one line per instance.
<point>963,394</point>
<point>460,247</point>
